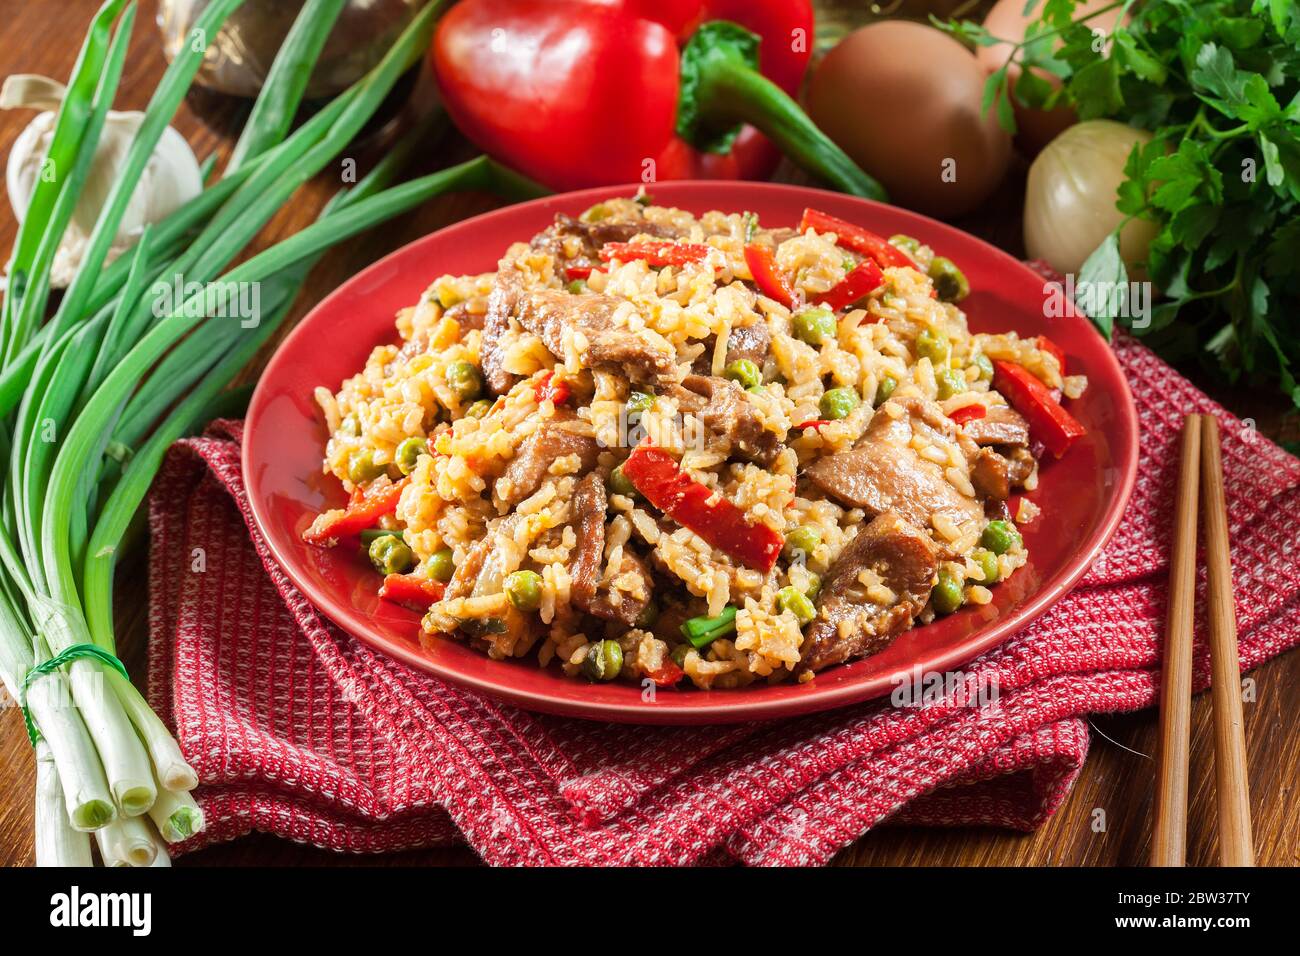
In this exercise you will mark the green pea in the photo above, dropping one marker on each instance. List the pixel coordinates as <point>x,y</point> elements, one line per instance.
<point>442,565</point>
<point>640,401</point>
<point>985,365</point>
<point>796,602</point>
<point>1000,536</point>
<point>390,555</point>
<point>408,453</point>
<point>679,654</point>
<point>621,484</point>
<point>603,662</point>
<point>906,243</point>
<point>950,382</point>
<point>988,562</point>
<point>350,426</point>
<point>802,542</point>
<point>745,372</point>
<point>814,326</point>
<point>933,345</point>
<point>577,286</point>
<point>649,614</point>
<point>947,594</point>
<point>464,380</point>
<point>949,281</point>
<point>814,586</point>
<point>524,590</point>
<point>362,466</point>
<point>885,389</point>
<point>838,402</point>
<point>370,534</point>
<point>479,409</point>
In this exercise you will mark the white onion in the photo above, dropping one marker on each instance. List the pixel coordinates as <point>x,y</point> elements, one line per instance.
<point>1070,197</point>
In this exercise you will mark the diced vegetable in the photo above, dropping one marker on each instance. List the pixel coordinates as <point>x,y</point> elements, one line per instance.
<point>656,476</point>
<point>814,423</point>
<point>550,388</point>
<point>949,382</point>
<point>367,506</point>
<point>865,277</point>
<point>885,389</point>
<point>656,254</point>
<point>856,238</point>
<point>703,631</point>
<point>1049,422</point>
<point>796,602</point>
<point>932,344</point>
<point>837,403</point>
<point>408,453</point>
<point>745,372</point>
<point>390,555</point>
<point>801,542</point>
<point>814,326</point>
<point>524,590</point>
<point>442,565</point>
<point>761,261</point>
<point>949,281</point>
<point>411,589</point>
<point>968,413</point>
<point>668,674</point>
<point>362,466</point>
<point>603,662</point>
<point>1000,536</point>
<point>947,595</point>
<point>465,380</point>
<point>988,562</point>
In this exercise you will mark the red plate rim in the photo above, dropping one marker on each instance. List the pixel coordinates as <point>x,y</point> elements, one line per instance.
<point>566,696</point>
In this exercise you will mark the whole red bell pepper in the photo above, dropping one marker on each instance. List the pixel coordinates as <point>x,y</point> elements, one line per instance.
<point>579,93</point>
<point>656,475</point>
<point>365,507</point>
<point>1049,422</point>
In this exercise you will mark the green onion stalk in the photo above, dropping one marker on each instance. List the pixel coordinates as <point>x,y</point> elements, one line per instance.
<point>90,402</point>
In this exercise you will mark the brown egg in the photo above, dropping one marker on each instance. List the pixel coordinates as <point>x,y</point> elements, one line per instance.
<point>903,99</point>
<point>1007,21</point>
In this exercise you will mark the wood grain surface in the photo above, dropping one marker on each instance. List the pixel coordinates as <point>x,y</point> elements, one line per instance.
<point>1106,820</point>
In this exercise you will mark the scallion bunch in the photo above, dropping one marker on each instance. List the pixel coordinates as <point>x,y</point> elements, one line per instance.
<point>91,398</point>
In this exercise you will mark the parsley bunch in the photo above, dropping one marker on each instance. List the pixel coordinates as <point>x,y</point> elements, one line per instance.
<point>1218,86</point>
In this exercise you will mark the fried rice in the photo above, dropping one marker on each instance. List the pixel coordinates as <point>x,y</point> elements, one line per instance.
<point>524,533</point>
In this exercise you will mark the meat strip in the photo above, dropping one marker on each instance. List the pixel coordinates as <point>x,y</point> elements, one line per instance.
<point>849,622</point>
<point>1001,425</point>
<point>750,342</point>
<point>548,313</point>
<point>503,300</point>
<point>538,451</point>
<point>586,592</point>
<point>721,406</point>
<point>884,473</point>
<point>591,237</point>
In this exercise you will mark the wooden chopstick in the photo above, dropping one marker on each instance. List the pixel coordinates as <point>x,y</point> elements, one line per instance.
<point>1169,844</point>
<point>1235,844</point>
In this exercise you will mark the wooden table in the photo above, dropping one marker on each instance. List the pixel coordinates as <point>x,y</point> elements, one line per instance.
<point>43,38</point>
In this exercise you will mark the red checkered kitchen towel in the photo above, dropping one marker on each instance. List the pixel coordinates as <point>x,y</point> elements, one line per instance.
<point>298,730</point>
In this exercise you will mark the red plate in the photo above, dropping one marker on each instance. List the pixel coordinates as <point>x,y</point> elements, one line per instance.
<point>1082,496</point>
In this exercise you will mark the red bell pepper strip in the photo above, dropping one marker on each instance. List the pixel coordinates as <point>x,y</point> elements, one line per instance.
<point>668,674</point>
<point>655,474</point>
<point>968,413</point>
<point>577,93</point>
<point>813,423</point>
<point>762,266</point>
<point>366,506</point>
<point>412,589</point>
<point>856,238</point>
<point>1049,423</point>
<point>657,254</point>
<point>1047,345</point>
<point>577,272</point>
<point>862,278</point>
<point>549,387</point>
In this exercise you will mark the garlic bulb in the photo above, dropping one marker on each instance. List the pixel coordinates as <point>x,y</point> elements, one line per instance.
<point>170,179</point>
<point>1071,192</point>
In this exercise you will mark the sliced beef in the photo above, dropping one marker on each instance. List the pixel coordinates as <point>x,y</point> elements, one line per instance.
<point>989,475</point>
<point>851,624</point>
<point>586,591</point>
<point>1001,425</point>
<point>538,451</point>
<point>591,237</point>
<point>547,314</point>
<point>751,342</point>
<point>884,473</point>
<point>481,573</point>
<point>721,406</point>
<point>468,320</point>
<point>1020,464</point>
<point>503,300</point>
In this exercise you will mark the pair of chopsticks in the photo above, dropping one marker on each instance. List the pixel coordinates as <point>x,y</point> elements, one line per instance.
<point>1201,469</point>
